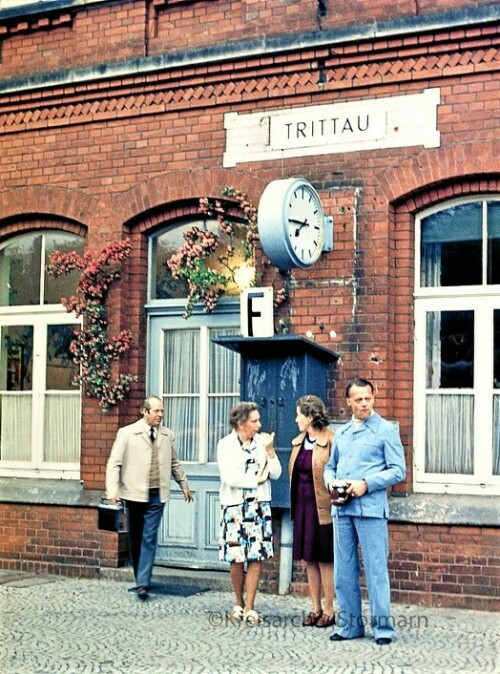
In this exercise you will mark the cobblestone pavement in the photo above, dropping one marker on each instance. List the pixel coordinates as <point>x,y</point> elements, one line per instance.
<point>52,625</point>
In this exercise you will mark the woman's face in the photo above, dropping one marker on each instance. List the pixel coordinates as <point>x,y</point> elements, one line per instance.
<point>302,421</point>
<point>247,429</point>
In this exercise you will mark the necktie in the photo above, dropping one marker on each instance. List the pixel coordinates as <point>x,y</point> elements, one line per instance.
<point>152,434</point>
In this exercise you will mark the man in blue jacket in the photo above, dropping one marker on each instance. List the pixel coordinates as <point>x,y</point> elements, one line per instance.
<point>368,455</point>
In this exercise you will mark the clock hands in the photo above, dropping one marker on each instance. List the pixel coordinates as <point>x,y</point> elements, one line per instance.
<point>302,223</point>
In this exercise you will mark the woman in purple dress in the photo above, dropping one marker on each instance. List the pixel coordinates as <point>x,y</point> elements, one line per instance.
<point>311,507</point>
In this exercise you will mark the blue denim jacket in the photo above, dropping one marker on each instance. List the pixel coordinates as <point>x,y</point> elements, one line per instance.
<point>373,453</point>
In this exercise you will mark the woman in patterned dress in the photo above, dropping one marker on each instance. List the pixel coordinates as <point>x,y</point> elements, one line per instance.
<point>247,462</point>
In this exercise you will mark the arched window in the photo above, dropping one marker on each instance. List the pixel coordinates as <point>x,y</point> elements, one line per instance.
<point>197,379</point>
<point>457,347</point>
<point>40,408</point>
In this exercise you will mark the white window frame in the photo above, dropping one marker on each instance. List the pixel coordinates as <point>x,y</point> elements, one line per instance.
<point>40,318</point>
<point>483,300</point>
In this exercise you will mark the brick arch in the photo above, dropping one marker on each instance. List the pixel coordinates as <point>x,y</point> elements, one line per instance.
<point>45,201</point>
<point>146,207</point>
<point>181,188</point>
<point>436,167</point>
<point>13,226</point>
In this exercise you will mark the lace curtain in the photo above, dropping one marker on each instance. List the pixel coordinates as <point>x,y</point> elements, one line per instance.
<point>189,410</point>
<point>15,426</point>
<point>61,427</point>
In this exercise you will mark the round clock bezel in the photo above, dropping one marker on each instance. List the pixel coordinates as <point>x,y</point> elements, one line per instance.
<point>274,226</point>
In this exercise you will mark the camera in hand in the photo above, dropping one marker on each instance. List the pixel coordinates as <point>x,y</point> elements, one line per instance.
<point>338,492</point>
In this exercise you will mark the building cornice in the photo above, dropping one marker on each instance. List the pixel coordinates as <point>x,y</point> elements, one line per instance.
<point>256,48</point>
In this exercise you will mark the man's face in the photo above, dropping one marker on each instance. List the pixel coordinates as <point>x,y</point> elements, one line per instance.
<point>154,416</point>
<point>361,400</point>
<point>247,429</point>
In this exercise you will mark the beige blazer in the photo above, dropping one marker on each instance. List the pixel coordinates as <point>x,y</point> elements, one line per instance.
<point>127,470</point>
<point>321,454</point>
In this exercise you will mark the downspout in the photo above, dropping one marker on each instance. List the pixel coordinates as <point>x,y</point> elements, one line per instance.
<point>286,553</point>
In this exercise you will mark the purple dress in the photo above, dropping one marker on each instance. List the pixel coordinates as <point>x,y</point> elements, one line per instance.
<point>312,541</point>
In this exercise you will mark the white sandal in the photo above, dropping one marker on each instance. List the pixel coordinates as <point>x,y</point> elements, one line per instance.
<point>237,614</point>
<point>252,618</point>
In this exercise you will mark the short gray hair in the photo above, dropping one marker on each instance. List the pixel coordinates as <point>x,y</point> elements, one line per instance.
<point>240,413</point>
<point>146,405</point>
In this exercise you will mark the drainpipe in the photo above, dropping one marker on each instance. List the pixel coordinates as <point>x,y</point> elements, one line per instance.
<point>286,553</point>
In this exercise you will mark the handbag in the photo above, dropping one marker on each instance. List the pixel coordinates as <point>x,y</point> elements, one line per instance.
<point>112,516</point>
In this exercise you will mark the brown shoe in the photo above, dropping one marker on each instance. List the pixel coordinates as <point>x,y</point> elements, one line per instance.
<point>325,621</point>
<point>311,619</point>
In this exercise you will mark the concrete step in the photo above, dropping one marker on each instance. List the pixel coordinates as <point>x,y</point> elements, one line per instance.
<point>206,578</point>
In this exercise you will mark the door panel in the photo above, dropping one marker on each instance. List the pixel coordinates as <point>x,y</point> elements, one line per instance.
<point>189,536</point>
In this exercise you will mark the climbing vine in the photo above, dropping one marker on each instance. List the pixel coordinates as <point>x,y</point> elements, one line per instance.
<point>209,265</point>
<point>93,349</point>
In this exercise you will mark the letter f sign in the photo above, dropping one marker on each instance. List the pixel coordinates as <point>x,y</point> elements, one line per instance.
<point>257,318</point>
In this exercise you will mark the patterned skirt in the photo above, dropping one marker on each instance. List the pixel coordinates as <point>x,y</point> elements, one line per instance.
<point>246,532</point>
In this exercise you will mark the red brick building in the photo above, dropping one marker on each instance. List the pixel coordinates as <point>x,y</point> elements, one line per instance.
<point>117,116</point>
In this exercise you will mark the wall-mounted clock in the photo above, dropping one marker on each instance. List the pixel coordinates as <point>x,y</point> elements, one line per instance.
<point>291,223</point>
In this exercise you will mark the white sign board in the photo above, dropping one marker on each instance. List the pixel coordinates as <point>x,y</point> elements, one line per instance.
<point>257,315</point>
<point>375,123</point>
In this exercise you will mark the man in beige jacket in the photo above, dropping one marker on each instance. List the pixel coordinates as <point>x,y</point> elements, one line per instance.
<point>139,468</point>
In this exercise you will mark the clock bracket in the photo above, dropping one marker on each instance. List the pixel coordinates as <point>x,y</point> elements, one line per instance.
<point>328,234</point>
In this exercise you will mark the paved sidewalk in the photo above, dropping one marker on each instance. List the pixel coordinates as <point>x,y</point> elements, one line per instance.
<point>52,625</point>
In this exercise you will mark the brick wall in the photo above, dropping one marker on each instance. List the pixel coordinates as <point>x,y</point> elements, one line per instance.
<point>117,157</point>
<point>56,539</point>
<point>445,565</point>
<point>74,37</point>
<point>433,565</point>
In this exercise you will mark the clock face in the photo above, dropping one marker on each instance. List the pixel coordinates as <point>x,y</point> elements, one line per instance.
<point>304,220</point>
<point>291,223</point>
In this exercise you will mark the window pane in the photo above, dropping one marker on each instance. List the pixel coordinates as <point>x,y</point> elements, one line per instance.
<point>181,361</point>
<point>496,348</point>
<point>224,365</point>
<point>65,285</point>
<point>493,270</point>
<point>62,428</point>
<point>224,378</point>
<point>182,415</point>
<point>451,248</point>
<point>218,422</point>
<point>61,370</point>
<point>15,426</point>
<point>496,396</point>
<point>20,268</point>
<point>163,286</point>
<point>181,389</point>
<point>450,349</point>
<point>16,358</point>
<point>449,441</point>
<point>16,375</point>
<point>496,435</point>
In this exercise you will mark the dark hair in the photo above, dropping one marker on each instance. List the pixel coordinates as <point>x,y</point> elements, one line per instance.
<point>358,382</point>
<point>240,413</point>
<point>312,406</point>
<point>146,405</point>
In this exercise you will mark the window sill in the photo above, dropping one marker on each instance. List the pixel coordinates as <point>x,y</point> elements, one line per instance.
<point>47,492</point>
<point>447,509</point>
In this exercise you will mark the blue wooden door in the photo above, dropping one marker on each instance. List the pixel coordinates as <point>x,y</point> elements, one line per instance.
<point>198,382</point>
